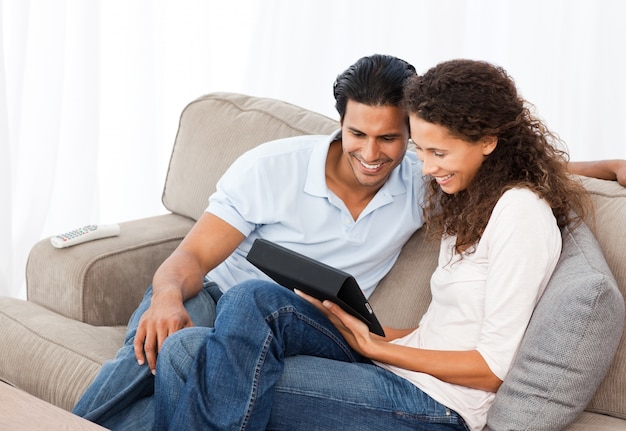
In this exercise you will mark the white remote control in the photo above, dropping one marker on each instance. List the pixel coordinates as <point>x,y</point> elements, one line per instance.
<point>84,234</point>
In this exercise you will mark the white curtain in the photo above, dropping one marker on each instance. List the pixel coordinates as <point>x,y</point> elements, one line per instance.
<point>91,91</point>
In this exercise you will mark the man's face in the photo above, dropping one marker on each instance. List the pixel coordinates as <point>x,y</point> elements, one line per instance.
<point>374,140</point>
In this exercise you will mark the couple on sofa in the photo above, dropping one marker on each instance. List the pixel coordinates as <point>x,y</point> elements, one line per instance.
<point>486,178</point>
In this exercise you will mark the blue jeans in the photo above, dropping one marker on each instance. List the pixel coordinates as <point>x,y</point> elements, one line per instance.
<point>274,362</point>
<point>121,395</point>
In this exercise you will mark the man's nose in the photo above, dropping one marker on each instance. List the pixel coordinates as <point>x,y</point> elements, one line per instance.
<point>370,150</point>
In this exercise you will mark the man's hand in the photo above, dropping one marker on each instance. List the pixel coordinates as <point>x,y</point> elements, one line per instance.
<point>164,317</point>
<point>179,278</point>
<point>620,171</point>
<point>614,170</point>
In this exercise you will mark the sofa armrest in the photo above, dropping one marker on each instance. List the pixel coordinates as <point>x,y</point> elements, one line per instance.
<point>101,282</point>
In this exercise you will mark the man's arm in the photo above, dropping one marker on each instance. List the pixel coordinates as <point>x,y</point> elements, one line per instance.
<point>602,169</point>
<point>180,277</point>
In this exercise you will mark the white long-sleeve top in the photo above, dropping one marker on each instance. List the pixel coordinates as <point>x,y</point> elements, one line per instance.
<point>484,301</point>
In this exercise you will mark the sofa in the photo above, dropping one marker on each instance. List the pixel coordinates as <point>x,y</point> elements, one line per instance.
<point>80,298</point>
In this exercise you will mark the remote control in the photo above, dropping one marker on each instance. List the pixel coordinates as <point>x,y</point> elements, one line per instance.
<point>84,234</point>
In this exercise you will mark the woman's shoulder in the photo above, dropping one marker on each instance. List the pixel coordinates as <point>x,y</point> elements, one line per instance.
<point>522,205</point>
<point>522,214</point>
<point>520,201</point>
<point>522,195</point>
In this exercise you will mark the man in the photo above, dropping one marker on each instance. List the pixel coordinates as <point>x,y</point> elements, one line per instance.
<point>350,200</point>
<point>336,205</point>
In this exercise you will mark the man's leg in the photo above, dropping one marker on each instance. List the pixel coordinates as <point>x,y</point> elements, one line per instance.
<point>176,360</point>
<point>121,395</point>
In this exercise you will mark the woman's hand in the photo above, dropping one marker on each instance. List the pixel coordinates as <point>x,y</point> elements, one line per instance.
<point>355,332</point>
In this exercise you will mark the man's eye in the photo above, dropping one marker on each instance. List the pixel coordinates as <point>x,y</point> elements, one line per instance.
<point>439,154</point>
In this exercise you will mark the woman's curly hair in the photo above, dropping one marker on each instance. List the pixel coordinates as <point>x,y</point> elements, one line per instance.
<point>473,100</point>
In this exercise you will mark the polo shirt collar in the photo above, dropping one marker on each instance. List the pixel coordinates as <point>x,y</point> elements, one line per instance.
<point>316,173</point>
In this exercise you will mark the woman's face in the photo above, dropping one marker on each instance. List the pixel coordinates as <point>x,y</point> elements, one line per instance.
<point>451,161</point>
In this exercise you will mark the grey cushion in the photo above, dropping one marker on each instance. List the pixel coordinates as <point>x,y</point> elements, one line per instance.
<point>569,345</point>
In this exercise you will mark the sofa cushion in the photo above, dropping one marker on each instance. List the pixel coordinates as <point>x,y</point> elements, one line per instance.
<point>403,295</point>
<point>217,128</point>
<point>51,356</point>
<point>569,344</point>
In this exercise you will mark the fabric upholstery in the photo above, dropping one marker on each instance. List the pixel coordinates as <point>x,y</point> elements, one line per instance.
<point>58,357</point>
<point>102,282</point>
<point>403,295</point>
<point>596,422</point>
<point>214,130</point>
<point>569,345</point>
<point>608,226</point>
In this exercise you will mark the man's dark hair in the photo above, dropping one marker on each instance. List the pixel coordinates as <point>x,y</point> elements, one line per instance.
<point>377,80</point>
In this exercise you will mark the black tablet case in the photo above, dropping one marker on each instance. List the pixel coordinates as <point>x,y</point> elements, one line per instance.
<point>296,271</point>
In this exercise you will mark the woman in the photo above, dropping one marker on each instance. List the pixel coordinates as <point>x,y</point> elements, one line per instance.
<point>498,194</point>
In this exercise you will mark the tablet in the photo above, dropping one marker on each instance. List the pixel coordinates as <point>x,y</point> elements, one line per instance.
<point>297,271</point>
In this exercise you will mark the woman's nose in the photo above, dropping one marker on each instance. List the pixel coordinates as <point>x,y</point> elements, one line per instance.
<point>428,166</point>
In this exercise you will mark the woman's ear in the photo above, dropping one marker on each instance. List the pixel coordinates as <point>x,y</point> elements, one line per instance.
<point>489,143</point>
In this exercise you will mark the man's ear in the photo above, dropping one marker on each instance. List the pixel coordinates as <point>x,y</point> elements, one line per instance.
<point>489,143</point>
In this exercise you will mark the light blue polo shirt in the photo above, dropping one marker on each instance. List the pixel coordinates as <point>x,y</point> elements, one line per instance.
<point>278,191</point>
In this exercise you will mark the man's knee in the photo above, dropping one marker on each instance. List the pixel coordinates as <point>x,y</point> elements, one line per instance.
<point>180,349</point>
<point>258,294</point>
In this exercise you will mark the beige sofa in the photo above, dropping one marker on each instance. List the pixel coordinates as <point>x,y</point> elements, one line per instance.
<point>80,298</point>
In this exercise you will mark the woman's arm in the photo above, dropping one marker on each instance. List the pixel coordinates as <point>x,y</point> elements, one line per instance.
<point>603,169</point>
<point>466,368</point>
<point>393,333</point>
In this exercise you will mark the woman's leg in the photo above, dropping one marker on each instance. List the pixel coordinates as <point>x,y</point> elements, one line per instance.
<point>120,397</point>
<point>231,382</point>
<point>321,394</point>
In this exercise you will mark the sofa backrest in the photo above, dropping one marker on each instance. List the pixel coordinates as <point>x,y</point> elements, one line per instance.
<point>218,127</point>
<point>214,130</point>
<point>607,225</point>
